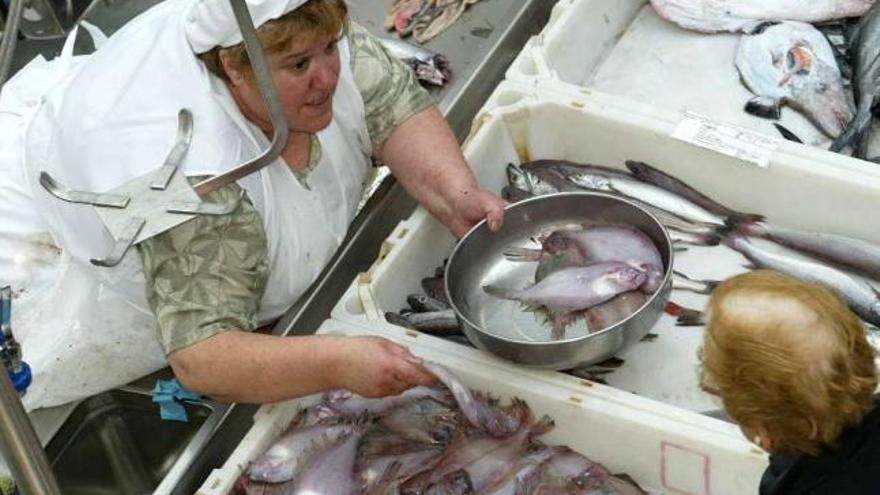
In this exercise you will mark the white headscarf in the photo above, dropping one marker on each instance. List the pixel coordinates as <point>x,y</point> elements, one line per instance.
<point>211,23</point>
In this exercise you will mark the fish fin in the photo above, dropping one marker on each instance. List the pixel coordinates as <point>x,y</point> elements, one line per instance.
<point>560,321</point>
<point>679,249</point>
<point>673,309</point>
<point>855,132</point>
<point>787,134</point>
<point>690,318</point>
<point>758,27</point>
<point>522,254</point>
<point>542,426</point>
<point>316,448</point>
<point>526,486</point>
<point>764,107</point>
<point>736,218</point>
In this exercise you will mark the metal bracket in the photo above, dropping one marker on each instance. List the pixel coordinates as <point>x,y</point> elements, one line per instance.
<point>172,161</point>
<point>202,208</point>
<point>123,243</point>
<point>65,193</point>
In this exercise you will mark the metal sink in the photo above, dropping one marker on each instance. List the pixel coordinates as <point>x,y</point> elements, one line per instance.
<point>116,443</point>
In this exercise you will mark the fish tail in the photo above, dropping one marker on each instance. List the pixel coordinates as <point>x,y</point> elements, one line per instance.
<point>522,254</point>
<point>735,219</point>
<point>690,318</point>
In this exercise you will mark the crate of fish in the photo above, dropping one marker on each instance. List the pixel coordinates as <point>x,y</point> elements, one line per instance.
<point>802,213</point>
<point>488,428</point>
<point>783,68</point>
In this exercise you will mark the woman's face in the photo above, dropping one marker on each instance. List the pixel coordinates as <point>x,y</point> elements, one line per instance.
<point>305,76</point>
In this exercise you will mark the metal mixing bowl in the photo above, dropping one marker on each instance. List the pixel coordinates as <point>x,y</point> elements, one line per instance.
<point>506,328</point>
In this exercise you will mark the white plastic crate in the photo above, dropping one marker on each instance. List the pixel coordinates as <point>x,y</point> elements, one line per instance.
<point>624,48</point>
<point>801,187</point>
<point>663,448</point>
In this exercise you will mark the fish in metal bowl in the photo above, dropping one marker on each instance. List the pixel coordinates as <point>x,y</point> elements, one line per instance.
<point>570,280</point>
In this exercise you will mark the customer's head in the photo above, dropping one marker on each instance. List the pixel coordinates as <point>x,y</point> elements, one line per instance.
<point>302,55</point>
<point>789,360</point>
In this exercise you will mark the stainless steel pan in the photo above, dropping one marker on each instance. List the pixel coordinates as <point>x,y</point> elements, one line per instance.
<point>504,327</point>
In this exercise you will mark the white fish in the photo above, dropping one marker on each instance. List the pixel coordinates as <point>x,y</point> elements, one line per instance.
<point>792,63</point>
<point>712,16</point>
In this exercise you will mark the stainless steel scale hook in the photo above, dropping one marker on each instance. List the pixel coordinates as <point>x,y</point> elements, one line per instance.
<point>156,202</point>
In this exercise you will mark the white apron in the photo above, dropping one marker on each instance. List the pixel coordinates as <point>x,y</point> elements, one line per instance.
<point>114,118</point>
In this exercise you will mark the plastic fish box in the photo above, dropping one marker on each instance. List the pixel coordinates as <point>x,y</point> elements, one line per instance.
<point>799,187</point>
<point>624,48</point>
<point>663,448</point>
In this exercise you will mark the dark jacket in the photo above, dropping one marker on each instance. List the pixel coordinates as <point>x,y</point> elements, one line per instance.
<point>852,469</point>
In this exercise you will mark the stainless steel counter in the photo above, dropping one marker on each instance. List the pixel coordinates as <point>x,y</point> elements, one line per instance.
<point>480,46</point>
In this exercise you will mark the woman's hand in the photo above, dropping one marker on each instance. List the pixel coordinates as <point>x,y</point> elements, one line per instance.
<point>472,206</point>
<point>377,367</point>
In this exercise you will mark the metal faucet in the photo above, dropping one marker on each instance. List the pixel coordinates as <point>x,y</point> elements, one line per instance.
<point>18,441</point>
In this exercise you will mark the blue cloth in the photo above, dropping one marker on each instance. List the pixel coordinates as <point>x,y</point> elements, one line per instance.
<point>170,394</point>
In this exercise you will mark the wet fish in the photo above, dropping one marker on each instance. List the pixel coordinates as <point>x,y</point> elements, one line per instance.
<point>442,322</point>
<point>435,287</point>
<point>279,463</point>
<point>429,67</point>
<point>481,411</point>
<point>861,296</point>
<point>353,405</point>
<point>525,472</point>
<point>855,253</point>
<point>792,63</point>
<point>548,180</point>
<point>680,237</point>
<point>614,311</point>
<point>685,317</point>
<point>382,473</point>
<point>513,194</point>
<point>598,244</point>
<point>422,303</point>
<point>568,472</point>
<point>711,16</point>
<point>484,459</point>
<point>680,281</point>
<point>864,51</point>
<point>329,467</point>
<point>424,420</point>
<point>567,167</point>
<point>651,194</point>
<point>653,175</point>
<point>568,291</point>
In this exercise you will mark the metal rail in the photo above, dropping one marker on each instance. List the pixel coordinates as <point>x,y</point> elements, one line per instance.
<point>10,37</point>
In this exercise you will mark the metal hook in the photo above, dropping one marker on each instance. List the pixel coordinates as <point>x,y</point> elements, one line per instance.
<point>175,156</point>
<point>270,97</point>
<point>65,193</point>
<point>123,243</point>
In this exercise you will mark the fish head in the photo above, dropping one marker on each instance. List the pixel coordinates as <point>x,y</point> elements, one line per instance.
<point>816,88</point>
<point>274,466</point>
<point>627,276</point>
<point>558,242</point>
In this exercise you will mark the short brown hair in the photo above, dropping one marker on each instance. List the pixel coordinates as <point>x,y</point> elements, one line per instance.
<point>314,19</point>
<point>788,355</point>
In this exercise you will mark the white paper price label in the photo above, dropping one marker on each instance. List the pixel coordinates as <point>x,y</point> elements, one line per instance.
<point>735,141</point>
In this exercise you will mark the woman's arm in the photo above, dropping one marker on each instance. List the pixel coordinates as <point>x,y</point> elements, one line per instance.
<point>236,366</point>
<point>425,157</point>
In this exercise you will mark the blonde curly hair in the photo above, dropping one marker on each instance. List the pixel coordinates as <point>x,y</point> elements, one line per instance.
<point>314,19</point>
<point>788,355</point>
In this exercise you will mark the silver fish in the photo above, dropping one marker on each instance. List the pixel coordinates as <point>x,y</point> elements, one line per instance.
<point>792,63</point>
<point>862,298</point>
<point>422,303</point>
<point>864,50</point>
<point>513,194</point>
<point>648,193</point>
<point>278,464</point>
<point>430,67</point>
<point>855,253</point>
<point>570,290</point>
<point>653,175</point>
<point>711,16</point>
<point>680,281</point>
<point>680,237</point>
<point>442,322</point>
